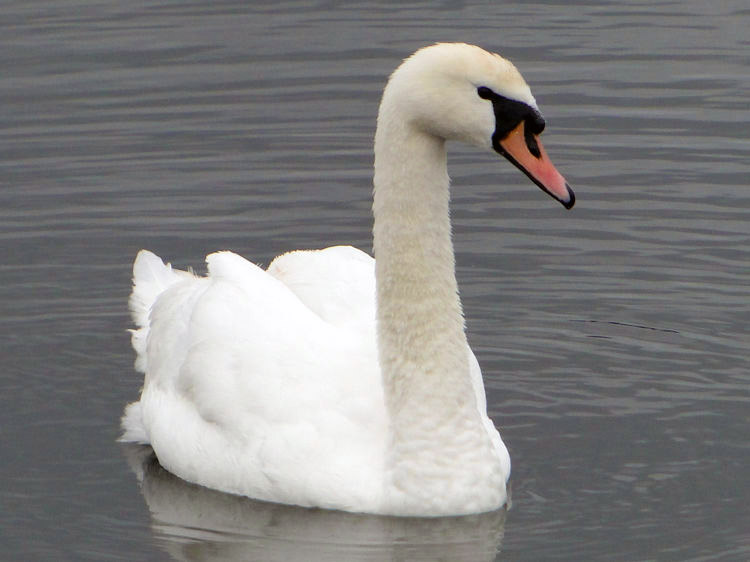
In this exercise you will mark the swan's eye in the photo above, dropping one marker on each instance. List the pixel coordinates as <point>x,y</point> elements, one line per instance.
<point>485,93</point>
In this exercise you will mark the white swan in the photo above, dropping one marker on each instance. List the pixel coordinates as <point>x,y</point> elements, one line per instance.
<point>332,379</point>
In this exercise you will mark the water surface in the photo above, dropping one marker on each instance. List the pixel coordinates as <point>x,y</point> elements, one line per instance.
<point>613,337</point>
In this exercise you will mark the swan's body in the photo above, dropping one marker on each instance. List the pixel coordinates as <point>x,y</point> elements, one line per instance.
<point>330,379</point>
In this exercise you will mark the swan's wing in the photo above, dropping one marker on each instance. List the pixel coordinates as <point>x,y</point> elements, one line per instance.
<point>250,391</point>
<point>477,383</point>
<point>242,324</point>
<point>337,283</point>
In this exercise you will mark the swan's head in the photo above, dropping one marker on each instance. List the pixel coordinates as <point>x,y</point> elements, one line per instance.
<point>461,92</point>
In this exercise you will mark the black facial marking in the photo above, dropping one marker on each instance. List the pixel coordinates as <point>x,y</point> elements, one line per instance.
<point>485,93</point>
<point>508,114</point>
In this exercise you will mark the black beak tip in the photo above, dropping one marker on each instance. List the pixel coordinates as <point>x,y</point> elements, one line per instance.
<point>571,198</point>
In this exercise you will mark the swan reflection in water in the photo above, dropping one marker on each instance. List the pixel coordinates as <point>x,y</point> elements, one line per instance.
<point>195,523</point>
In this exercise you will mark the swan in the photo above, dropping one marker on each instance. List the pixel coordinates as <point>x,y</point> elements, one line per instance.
<point>332,379</point>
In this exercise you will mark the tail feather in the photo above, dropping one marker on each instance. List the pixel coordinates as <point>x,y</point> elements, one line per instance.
<point>151,277</point>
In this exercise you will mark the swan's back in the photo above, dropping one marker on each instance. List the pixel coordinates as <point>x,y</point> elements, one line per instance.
<point>336,283</point>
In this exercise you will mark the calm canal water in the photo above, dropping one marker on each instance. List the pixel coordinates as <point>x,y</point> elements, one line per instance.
<point>614,338</point>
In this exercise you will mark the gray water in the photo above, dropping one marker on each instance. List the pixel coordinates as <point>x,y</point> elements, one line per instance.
<point>613,338</point>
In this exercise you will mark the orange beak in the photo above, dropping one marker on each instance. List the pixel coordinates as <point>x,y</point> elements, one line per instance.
<point>536,165</point>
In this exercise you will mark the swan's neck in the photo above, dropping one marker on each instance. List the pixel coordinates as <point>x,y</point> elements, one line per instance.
<point>422,346</point>
<point>421,340</point>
